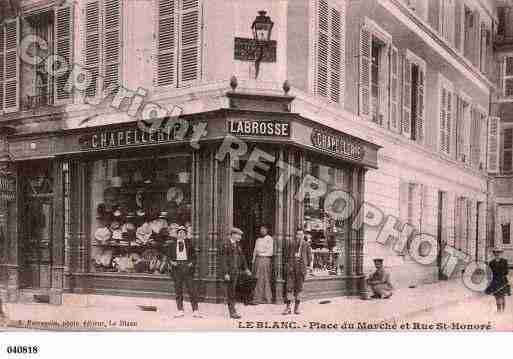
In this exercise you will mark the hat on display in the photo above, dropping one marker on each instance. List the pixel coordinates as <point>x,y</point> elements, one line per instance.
<point>115,225</point>
<point>163,214</point>
<point>116,182</point>
<point>102,234</point>
<point>117,234</point>
<point>143,233</point>
<point>117,213</point>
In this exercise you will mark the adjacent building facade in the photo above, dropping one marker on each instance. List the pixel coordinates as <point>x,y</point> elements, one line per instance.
<point>387,101</point>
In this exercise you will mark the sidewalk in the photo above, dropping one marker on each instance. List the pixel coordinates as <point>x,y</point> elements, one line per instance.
<point>100,312</point>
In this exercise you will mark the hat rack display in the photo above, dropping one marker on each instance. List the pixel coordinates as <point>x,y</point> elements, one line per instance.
<point>139,215</point>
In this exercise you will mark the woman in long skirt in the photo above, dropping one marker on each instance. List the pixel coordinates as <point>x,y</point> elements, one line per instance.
<point>499,286</point>
<point>262,266</point>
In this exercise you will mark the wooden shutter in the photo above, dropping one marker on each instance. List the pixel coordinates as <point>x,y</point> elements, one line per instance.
<point>458,7</point>
<point>322,49</point>
<point>63,34</point>
<point>190,42</point>
<point>420,105</point>
<point>448,119</point>
<point>166,44</point>
<point>365,43</point>
<point>507,150</point>
<point>92,53</point>
<point>476,41</point>
<point>475,133</point>
<point>492,164</point>
<point>336,55</point>
<point>11,66</point>
<point>443,104</point>
<point>112,39</point>
<point>482,141</point>
<point>394,90</point>
<point>2,56</point>
<point>406,118</point>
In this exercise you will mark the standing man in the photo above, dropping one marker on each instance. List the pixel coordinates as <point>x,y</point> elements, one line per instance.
<point>379,281</point>
<point>183,262</point>
<point>298,256</point>
<point>262,262</point>
<point>233,262</point>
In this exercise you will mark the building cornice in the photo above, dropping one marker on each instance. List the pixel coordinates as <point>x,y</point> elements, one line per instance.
<point>432,39</point>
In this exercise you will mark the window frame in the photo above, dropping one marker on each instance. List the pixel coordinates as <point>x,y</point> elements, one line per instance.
<point>415,60</point>
<point>445,84</point>
<point>506,77</point>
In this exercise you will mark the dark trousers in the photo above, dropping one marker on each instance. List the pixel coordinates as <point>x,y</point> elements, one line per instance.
<point>245,287</point>
<point>183,276</point>
<point>231,290</point>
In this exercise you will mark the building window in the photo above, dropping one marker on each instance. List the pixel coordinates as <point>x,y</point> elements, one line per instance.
<point>463,121</point>
<point>377,80</point>
<point>413,98</point>
<point>136,208</point>
<point>507,82</point>
<point>483,48</point>
<point>507,150</point>
<point>468,32</point>
<point>506,233</point>
<point>327,235</point>
<point>178,46</point>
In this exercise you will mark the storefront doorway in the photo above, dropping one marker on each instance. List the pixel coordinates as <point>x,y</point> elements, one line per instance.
<point>253,206</point>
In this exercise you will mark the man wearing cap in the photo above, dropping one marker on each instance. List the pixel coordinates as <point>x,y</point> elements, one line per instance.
<point>379,281</point>
<point>233,262</point>
<point>298,257</point>
<point>182,257</point>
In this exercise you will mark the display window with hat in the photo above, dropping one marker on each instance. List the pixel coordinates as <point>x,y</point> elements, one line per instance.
<point>139,204</point>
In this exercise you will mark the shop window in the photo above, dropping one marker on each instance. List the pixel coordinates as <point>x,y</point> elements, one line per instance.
<point>137,206</point>
<point>507,150</point>
<point>326,234</point>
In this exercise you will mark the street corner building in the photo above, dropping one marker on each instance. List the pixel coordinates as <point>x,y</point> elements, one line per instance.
<point>260,112</point>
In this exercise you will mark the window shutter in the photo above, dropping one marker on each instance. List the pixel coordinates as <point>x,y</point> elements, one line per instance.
<point>474,138</point>
<point>406,120</point>
<point>365,43</point>
<point>482,141</point>
<point>2,56</point>
<point>448,120</point>
<point>336,55</point>
<point>11,66</point>
<point>443,138</point>
<point>63,33</point>
<point>420,106</point>
<point>492,164</point>
<point>394,89</point>
<point>507,153</point>
<point>476,33</point>
<point>457,24</point>
<point>92,44</point>
<point>190,40</point>
<point>322,49</point>
<point>112,35</point>
<point>166,44</point>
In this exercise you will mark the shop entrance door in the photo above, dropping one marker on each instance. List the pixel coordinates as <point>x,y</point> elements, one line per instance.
<point>36,243</point>
<point>252,207</point>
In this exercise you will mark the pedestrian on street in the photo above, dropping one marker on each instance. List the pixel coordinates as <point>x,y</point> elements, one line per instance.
<point>233,263</point>
<point>499,286</point>
<point>182,258</point>
<point>298,256</point>
<point>379,281</point>
<point>262,266</point>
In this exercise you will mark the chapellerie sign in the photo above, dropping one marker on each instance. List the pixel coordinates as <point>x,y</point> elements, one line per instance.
<point>112,138</point>
<point>337,144</point>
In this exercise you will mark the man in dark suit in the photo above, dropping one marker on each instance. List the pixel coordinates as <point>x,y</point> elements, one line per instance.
<point>182,257</point>
<point>233,262</point>
<point>298,256</point>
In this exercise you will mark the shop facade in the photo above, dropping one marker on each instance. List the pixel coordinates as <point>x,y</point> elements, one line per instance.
<point>89,211</point>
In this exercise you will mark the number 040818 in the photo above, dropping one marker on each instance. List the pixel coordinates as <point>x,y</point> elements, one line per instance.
<point>22,349</point>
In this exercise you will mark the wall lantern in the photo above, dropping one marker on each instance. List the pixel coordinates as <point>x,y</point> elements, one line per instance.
<point>260,48</point>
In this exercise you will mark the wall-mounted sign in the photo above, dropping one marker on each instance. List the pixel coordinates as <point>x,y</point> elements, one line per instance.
<point>338,144</point>
<point>134,136</point>
<point>251,50</point>
<point>259,128</point>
